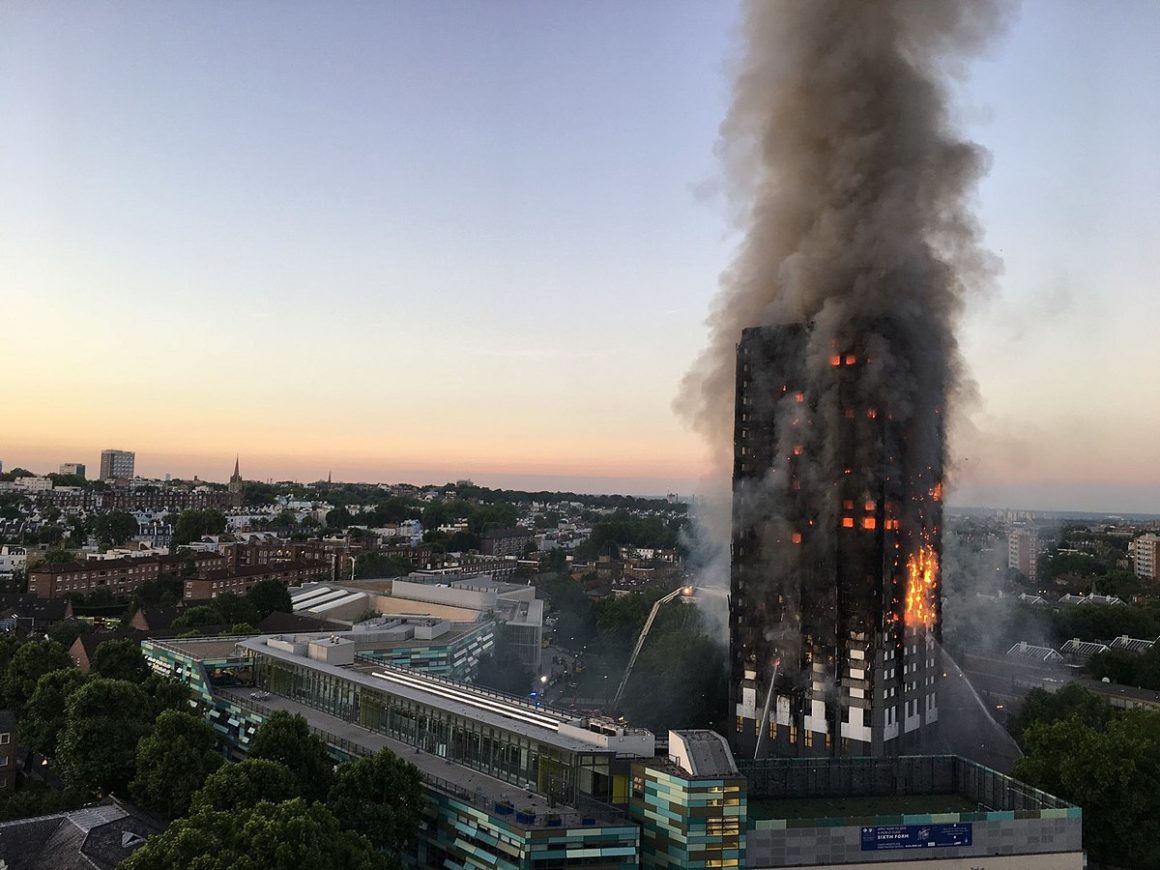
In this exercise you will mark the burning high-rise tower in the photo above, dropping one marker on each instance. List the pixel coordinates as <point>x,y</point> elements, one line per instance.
<point>834,605</point>
<point>831,360</point>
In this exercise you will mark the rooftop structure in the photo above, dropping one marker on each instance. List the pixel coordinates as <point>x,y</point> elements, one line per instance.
<point>940,811</point>
<point>1081,652</point>
<point>1031,652</point>
<point>1133,645</point>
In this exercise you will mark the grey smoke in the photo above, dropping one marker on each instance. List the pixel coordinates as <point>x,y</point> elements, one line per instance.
<point>853,188</point>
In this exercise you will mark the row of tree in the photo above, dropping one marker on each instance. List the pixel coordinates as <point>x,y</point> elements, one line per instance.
<point>122,729</point>
<point>285,805</point>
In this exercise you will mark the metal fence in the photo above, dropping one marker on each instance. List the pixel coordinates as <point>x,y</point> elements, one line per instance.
<point>785,778</point>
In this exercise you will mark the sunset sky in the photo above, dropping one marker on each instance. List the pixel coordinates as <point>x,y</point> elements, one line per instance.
<point>423,241</point>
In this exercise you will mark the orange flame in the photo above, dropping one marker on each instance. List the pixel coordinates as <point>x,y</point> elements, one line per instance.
<point>921,583</point>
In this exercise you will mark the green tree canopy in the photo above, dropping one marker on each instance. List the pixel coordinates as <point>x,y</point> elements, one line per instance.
<point>44,714</point>
<point>286,738</point>
<point>114,528</point>
<point>197,617</point>
<point>232,608</point>
<point>120,659</point>
<point>104,719</point>
<point>68,630</point>
<point>192,524</point>
<point>268,596</point>
<point>239,786</point>
<point>380,797</point>
<point>29,663</point>
<point>1043,707</point>
<point>1111,772</point>
<point>679,680</point>
<point>173,762</point>
<point>284,836</point>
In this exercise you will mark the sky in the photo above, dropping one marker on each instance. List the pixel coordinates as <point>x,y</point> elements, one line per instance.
<point>428,241</point>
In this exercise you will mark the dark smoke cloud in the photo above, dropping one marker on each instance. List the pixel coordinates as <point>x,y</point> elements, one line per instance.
<point>853,190</point>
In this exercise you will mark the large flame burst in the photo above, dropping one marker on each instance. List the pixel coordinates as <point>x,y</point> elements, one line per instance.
<point>921,584</point>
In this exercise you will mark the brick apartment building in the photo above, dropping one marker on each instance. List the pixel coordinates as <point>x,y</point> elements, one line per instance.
<point>154,499</point>
<point>119,576</point>
<point>506,542</point>
<point>210,584</point>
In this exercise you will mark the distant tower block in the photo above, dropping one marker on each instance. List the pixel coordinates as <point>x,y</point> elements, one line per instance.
<point>834,604</point>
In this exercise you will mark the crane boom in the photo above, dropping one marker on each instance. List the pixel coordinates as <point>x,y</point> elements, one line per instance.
<point>648,623</point>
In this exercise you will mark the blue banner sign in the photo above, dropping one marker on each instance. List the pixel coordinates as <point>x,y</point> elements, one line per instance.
<point>878,839</point>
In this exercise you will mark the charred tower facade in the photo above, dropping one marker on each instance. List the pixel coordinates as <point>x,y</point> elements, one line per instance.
<point>834,594</point>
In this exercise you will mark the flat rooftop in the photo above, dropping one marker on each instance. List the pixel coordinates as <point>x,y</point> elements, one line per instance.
<point>202,648</point>
<point>484,790</point>
<point>500,711</point>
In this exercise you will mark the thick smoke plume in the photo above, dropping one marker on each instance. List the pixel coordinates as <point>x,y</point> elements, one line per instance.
<point>852,187</point>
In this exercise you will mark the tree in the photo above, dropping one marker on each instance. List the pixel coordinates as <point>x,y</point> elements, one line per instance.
<point>380,797</point>
<point>173,762</point>
<point>29,663</point>
<point>97,748</point>
<point>58,556</point>
<point>679,679</point>
<point>196,617</point>
<point>382,565</point>
<point>284,836</point>
<point>44,714</point>
<point>235,787</point>
<point>1072,701</point>
<point>339,518</point>
<point>1112,773</point>
<point>165,693</point>
<point>286,738</point>
<point>232,608</point>
<point>114,528</point>
<point>268,596</point>
<point>67,631</point>
<point>192,524</point>
<point>120,659</point>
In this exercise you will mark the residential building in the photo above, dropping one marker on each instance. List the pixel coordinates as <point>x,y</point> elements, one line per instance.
<point>209,584</point>
<point>834,586</point>
<point>117,464</point>
<point>100,835</point>
<point>1146,556</point>
<point>120,577</point>
<point>75,468</point>
<point>1023,551</point>
<point>13,559</point>
<point>33,484</point>
<point>506,542</point>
